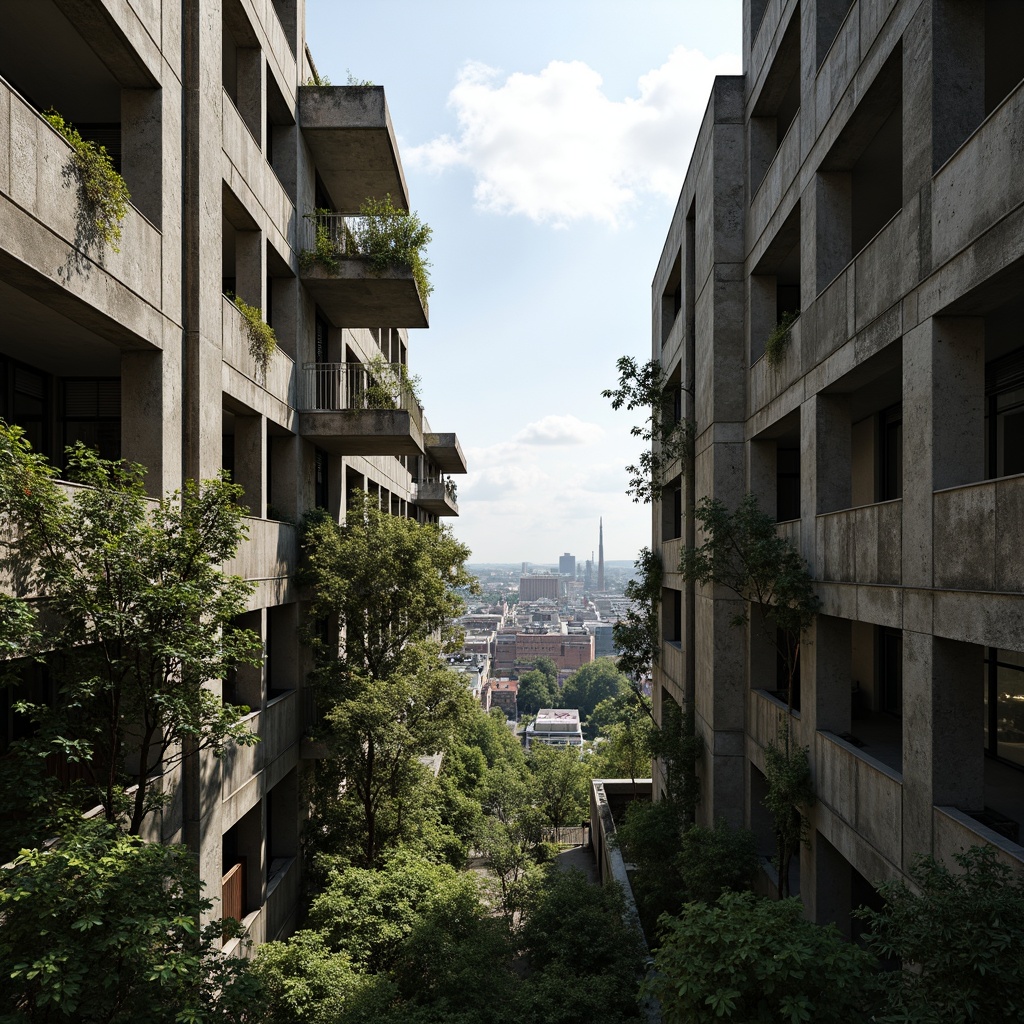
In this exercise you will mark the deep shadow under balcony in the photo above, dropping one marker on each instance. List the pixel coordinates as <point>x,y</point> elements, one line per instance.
<point>359,409</point>
<point>349,132</point>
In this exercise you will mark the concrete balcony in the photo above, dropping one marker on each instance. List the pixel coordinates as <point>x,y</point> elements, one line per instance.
<point>349,132</point>
<point>48,251</point>
<point>278,383</point>
<point>445,452</point>
<point>343,284</point>
<point>861,545</point>
<point>358,409</point>
<point>436,497</point>
<point>977,536</point>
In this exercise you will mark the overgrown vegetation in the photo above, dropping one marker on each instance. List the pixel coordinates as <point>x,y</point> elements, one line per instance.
<point>101,188</point>
<point>787,771</point>
<point>383,235</point>
<point>777,343</point>
<point>260,336</point>
<point>389,385</point>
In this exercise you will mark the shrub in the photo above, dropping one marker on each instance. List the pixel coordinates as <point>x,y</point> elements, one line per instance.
<point>776,346</point>
<point>758,961</point>
<point>102,188</point>
<point>261,336</point>
<point>964,935</point>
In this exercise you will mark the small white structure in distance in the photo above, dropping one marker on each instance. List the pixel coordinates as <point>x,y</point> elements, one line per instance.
<point>557,727</point>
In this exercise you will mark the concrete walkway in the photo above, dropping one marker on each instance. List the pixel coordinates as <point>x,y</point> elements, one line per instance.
<point>580,857</point>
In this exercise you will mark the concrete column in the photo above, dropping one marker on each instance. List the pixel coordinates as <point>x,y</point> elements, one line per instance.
<point>825,676</point>
<point>149,420</point>
<point>252,90</point>
<point>286,456</point>
<point>943,734</point>
<point>825,884</point>
<point>251,462</point>
<point>141,149</point>
<point>251,268</point>
<point>825,463</point>
<point>958,77</point>
<point>833,224</point>
<point>943,426</point>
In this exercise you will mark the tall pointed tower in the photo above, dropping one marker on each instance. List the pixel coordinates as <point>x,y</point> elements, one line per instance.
<point>600,557</point>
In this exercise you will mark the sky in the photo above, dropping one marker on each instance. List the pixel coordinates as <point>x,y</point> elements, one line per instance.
<point>545,144</point>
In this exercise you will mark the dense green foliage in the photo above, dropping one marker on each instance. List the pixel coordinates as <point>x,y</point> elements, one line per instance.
<point>562,784</point>
<point>103,927</point>
<point>962,936</point>
<point>753,960</point>
<point>259,334</point>
<point>389,581</point>
<point>103,191</point>
<point>536,690</point>
<point>591,684</point>
<point>139,617</point>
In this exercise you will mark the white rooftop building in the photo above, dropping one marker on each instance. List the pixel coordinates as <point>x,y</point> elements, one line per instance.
<point>557,727</point>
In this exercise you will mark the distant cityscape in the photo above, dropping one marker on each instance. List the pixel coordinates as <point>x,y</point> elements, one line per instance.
<point>564,611</point>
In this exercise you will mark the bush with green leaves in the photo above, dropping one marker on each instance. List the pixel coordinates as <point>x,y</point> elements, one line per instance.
<point>777,344</point>
<point>102,189</point>
<point>960,937</point>
<point>104,927</point>
<point>758,961</point>
<point>388,236</point>
<point>260,336</point>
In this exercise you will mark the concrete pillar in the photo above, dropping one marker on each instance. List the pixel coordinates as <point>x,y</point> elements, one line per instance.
<point>251,268</point>
<point>833,224</point>
<point>762,475</point>
<point>825,878</point>
<point>943,733</point>
<point>252,91</point>
<point>251,462</point>
<point>141,149</point>
<point>825,676</point>
<point>825,464</point>
<point>943,427</point>
<point>958,77</point>
<point>149,421</point>
<point>286,495</point>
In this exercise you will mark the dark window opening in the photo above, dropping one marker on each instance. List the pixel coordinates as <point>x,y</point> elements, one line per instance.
<point>890,670</point>
<point>1004,416</point>
<point>787,483</point>
<point>890,455</point>
<point>91,414</point>
<point>1004,705</point>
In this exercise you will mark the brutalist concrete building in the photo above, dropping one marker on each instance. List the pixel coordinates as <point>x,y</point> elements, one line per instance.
<point>864,179</point>
<point>206,109</point>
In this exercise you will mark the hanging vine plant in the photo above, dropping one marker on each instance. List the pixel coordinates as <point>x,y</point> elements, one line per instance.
<point>101,188</point>
<point>777,345</point>
<point>261,336</point>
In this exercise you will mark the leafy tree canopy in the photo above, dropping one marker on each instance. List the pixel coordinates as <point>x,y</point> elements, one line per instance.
<point>390,581</point>
<point>138,619</point>
<point>563,784</point>
<point>591,684</point>
<point>536,691</point>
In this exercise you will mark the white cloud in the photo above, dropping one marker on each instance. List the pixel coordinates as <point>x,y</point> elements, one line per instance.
<point>553,147</point>
<point>559,430</point>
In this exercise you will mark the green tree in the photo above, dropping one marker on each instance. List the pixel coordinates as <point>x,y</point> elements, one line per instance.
<point>638,635</point>
<point>758,961</point>
<point>388,581</point>
<point>787,771</point>
<point>585,958</point>
<point>102,927</point>
<point>548,667</point>
<point>591,684</point>
<point>138,620</point>
<point>563,784</point>
<point>536,691</point>
<point>623,747</point>
<point>960,936</point>
<point>376,730</point>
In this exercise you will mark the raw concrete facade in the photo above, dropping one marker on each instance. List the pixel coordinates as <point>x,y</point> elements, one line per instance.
<point>205,106</point>
<point>864,175</point>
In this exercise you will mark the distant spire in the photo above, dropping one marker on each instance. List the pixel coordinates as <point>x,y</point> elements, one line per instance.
<point>600,557</point>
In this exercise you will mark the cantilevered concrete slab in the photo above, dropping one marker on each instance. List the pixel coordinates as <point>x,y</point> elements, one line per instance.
<point>363,431</point>
<point>446,452</point>
<point>353,296</point>
<point>434,496</point>
<point>349,132</point>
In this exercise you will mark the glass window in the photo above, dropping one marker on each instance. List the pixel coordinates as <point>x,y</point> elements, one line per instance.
<point>1004,705</point>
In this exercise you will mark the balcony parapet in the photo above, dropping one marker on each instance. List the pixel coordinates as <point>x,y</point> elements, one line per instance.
<point>436,496</point>
<point>445,452</point>
<point>360,409</point>
<point>338,274</point>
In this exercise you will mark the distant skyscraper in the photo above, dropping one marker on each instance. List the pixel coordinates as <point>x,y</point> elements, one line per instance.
<point>600,558</point>
<point>567,565</point>
<point>588,575</point>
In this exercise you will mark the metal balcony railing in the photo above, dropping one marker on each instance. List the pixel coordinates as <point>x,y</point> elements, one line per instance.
<point>341,231</point>
<point>334,387</point>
